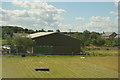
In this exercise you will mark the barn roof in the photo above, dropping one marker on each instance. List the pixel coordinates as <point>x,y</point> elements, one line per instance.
<point>34,35</point>
<point>39,34</point>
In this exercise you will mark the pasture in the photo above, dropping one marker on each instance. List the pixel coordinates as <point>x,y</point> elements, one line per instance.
<point>0,67</point>
<point>106,51</point>
<point>60,67</point>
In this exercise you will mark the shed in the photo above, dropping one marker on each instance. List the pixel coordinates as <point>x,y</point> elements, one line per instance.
<point>55,43</point>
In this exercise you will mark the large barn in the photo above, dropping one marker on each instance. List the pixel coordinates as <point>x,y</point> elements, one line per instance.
<point>55,43</point>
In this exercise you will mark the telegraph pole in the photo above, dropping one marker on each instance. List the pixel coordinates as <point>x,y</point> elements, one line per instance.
<point>70,30</point>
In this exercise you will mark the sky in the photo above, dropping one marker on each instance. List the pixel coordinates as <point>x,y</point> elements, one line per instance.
<point>77,16</point>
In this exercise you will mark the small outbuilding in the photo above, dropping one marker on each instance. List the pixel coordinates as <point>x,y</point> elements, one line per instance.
<point>55,43</point>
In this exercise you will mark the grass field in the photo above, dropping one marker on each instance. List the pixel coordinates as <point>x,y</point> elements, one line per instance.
<point>60,67</point>
<point>0,67</point>
<point>103,50</point>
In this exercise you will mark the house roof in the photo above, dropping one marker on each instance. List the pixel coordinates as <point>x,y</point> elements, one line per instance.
<point>34,35</point>
<point>107,33</point>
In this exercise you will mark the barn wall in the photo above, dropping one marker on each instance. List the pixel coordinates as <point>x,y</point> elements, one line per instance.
<point>43,50</point>
<point>57,39</point>
<point>66,50</point>
<point>61,43</point>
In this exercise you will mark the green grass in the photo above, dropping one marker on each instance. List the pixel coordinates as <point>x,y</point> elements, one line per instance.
<point>60,67</point>
<point>3,42</point>
<point>102,51</point>
<point>0,67</point>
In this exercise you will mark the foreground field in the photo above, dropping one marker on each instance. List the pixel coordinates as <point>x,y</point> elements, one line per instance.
<point>0,67</point>
<point>60,67</point>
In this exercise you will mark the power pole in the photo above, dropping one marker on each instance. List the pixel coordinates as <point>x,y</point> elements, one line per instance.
<point>70,30</point>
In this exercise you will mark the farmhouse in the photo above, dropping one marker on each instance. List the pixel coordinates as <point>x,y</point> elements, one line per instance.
<point>55,43</point>
<point>109,35</point>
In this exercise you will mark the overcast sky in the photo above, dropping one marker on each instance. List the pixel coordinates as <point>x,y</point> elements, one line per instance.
<point>77,16</point>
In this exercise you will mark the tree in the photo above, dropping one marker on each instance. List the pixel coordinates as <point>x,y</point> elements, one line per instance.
<point>37,31</point>
<point>86,38</point>
<point>7,32</point>
<point>30,31</point>
<point>42,30</point>
<point>50,31</point>
<point>57,30</point>
<point>86,33</point>
<point>94,35</point>
<point>99,42</point>
<point>26,30</point>
<point>22,44</point>
<point>117,42</point>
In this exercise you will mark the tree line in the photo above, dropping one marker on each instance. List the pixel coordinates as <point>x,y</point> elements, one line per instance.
<point>86,37</point>
<point>8,31</point>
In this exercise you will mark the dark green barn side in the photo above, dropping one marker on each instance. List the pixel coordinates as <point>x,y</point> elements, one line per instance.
<point>55,43</point>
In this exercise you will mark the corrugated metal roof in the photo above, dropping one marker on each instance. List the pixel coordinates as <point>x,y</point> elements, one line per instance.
<point>40,34</point>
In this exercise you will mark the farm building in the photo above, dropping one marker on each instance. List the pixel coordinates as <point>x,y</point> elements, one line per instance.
<point>109,35</point>
<point>55,43</point>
